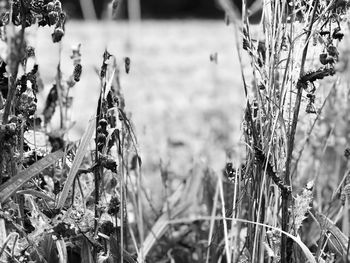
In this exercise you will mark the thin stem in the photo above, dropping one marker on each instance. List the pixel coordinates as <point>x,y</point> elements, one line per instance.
<point>285,256</point>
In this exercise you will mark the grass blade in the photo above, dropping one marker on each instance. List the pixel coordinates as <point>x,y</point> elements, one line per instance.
<point>309,256</point>
<point>11,186</point>
<point>86,252</point>
<point>77,162</point>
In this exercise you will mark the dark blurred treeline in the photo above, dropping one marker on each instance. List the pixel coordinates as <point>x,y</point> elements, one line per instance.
<point>156,9</point>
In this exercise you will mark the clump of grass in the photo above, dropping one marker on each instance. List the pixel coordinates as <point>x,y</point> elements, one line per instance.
<point>62,201</point>
<point>286,78</point>
<point>85,201</point>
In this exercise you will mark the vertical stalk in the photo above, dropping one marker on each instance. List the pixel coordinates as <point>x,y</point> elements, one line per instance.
<point>286,195</point>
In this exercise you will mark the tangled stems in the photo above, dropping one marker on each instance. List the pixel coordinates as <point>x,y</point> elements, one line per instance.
<point>286,196</point>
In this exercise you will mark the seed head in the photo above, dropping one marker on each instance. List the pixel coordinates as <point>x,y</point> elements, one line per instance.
<point>107,228</point>
<point>323,58</point>
<point>30,52</point>
<point>114,206</point>
<point>77,72</point>
<point>127,64</point>
<point>58,6</point>
<point>57,34</point>
<point>53,18</point>
<point>103,123</point>
<point>333,51</point>
<point>50,6</point>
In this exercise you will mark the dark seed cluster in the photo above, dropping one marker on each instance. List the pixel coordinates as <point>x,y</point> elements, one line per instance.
<point>108,163</point>
<point>46,13</point>
<point>114,206</point>
<point>77,72</point>
<point>102,134</point>
<point>51,103</point>
<point>127,62</point>
<point>107,228</point>
<point>26,95</point>
<point>64,230</point>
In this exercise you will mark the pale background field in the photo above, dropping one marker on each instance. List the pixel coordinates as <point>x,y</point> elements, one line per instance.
<point>185,108</point>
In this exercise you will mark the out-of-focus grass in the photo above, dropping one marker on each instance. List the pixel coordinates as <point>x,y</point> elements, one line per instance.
<point>184,107</point>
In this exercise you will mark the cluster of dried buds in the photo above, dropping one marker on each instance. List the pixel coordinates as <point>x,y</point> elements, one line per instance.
<point>28,12</point>
<point>328,57</point>
<point>8,133</point>
<point>26,94</point>
<point>102,134</point>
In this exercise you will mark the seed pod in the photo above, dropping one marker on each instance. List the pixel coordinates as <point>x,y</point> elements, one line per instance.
<point>77,72</point>
<point>53,18</point>
<point>323,58</point>
<point>51,103</point>
<point>30,52</point>
<point>114,206</point>
<point>50,6</point>
<point>57,35</point>
<point>107,228</point>
<point>337,34</point>
<point>127,64</point>
<point>333,51</point>
<point>103,123</point>
<point>101,138</point>
<point>58,6</point>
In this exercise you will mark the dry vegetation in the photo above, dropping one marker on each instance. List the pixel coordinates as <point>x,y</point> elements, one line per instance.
<point>284,198</point>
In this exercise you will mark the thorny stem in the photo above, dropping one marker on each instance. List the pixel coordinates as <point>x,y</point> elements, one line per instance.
<point>285,249</point>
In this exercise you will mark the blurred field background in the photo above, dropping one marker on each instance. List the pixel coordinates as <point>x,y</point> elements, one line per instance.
<point>185,108</point>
